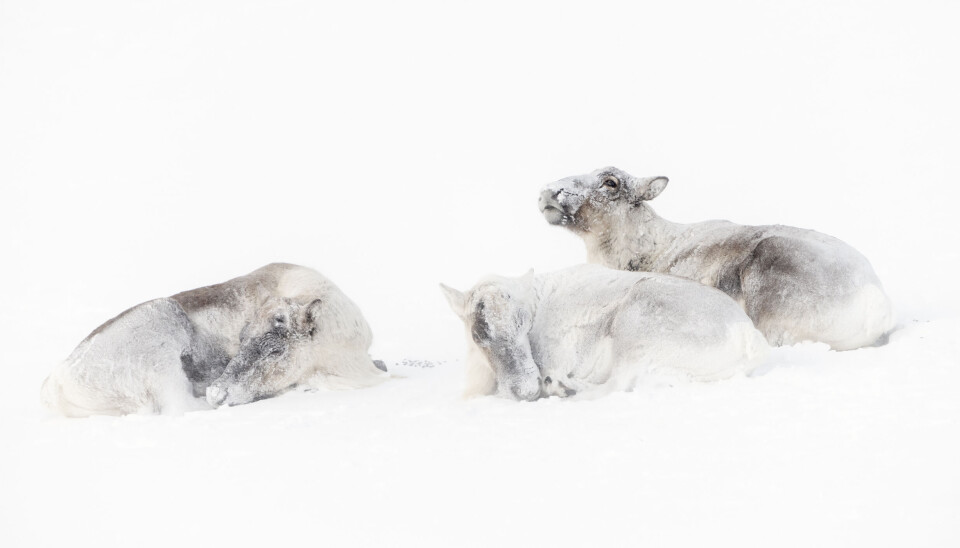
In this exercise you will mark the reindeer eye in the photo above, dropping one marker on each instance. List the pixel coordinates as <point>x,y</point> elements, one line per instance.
<point>279,318</point>
<point>610,181</point>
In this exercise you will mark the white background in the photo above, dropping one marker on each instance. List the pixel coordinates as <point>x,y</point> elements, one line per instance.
<point>149,147</point>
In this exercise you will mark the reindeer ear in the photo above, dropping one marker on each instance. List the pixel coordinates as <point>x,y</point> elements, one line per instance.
<point>312,316</point>
<point>651,187</point>
<point>456,299</point>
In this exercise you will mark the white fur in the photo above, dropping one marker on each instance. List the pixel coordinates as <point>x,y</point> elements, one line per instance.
<point>132,366</point>
<point>481,379</point>
<point>592,329</point>
<point>134,362</point>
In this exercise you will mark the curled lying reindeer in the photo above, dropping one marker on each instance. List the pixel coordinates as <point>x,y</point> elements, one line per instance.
<point>590,329</point>
<point>246,339</point>
<point>795,284</point>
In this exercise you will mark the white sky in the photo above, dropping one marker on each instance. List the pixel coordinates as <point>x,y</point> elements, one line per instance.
<point>152,147</point>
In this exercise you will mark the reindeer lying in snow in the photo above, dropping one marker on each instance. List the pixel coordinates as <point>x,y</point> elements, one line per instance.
<point>592,329</point>
<point>246,339</point>
<point>795,284</point>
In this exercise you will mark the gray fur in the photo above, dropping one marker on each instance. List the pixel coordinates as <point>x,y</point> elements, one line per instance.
<point>246,339</point>
<point>795,284</point>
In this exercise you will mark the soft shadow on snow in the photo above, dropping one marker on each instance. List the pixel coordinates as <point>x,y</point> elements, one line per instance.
<point>859,443</point>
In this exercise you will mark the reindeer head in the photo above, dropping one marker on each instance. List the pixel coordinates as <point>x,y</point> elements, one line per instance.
<point>579,202</point>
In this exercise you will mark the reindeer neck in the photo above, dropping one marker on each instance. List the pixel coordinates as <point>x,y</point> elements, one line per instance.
<point>632,241</point>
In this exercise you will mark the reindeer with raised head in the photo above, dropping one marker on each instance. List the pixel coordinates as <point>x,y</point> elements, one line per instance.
<point>795,284</point>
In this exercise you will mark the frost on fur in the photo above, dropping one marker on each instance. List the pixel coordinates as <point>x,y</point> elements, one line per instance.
<point>590,329</point>
<point>795,284</point>
<point>246,339</point>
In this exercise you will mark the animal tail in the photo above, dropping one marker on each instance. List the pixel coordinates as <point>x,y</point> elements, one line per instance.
<point>868,320</point>
<point>51,393</point>
<point>54,398</point>
<point>885,316</point>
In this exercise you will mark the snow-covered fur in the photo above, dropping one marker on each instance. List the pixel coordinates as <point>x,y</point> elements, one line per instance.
<point>589,330</point>
<point>246,339</point>
<point>795,284</point>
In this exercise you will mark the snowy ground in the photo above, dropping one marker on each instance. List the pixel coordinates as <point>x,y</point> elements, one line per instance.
<point>848,449</point>
<point>152,147</point>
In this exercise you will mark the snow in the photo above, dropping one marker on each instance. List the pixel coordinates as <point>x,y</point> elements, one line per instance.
<point>147,148</point>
